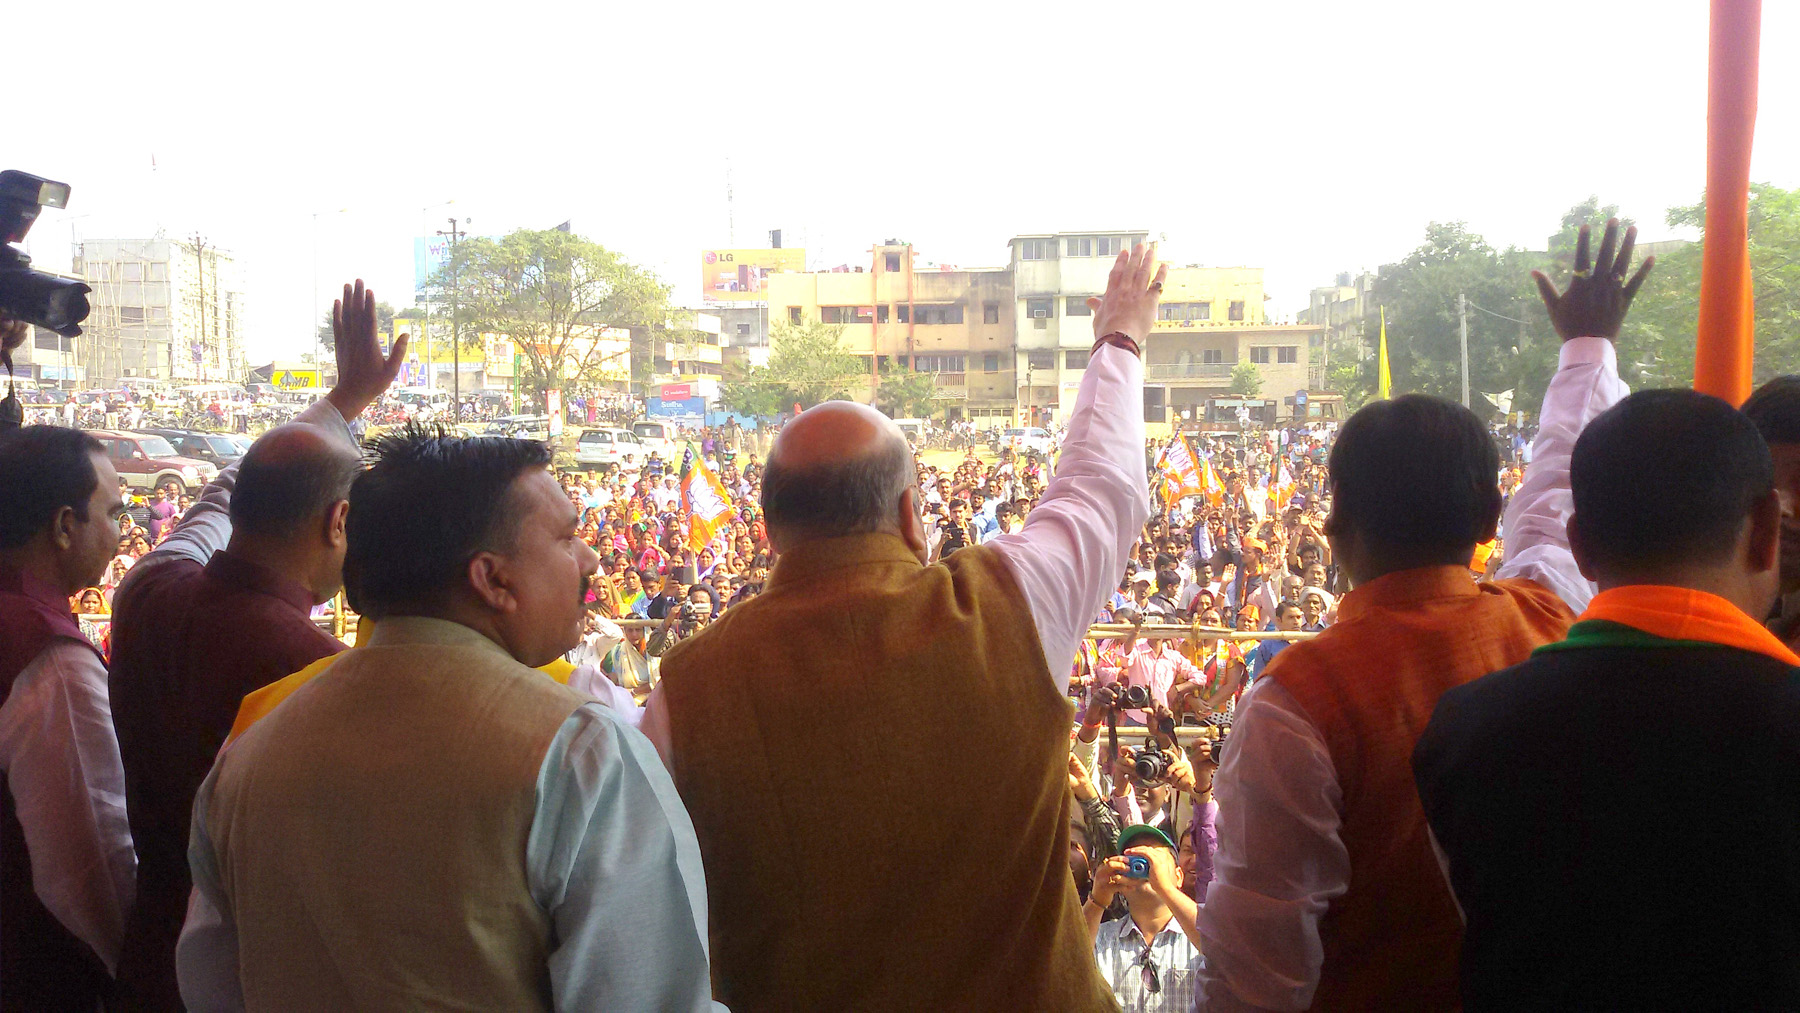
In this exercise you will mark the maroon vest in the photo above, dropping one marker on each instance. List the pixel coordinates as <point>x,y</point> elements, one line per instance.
<point>43,966</point>
<point>188,642</point>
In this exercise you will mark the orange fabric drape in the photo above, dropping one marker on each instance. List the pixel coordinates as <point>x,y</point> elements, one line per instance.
<point>1724,346</point>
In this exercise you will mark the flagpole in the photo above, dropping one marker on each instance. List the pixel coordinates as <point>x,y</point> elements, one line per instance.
<point>1724,346</point>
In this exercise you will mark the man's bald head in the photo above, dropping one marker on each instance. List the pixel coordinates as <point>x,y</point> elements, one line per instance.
<point>837,469</point>
<point>289,479</point>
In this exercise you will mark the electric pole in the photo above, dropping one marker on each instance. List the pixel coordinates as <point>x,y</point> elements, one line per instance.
<point>455,335</point>
<point>198,351</point>
<point>1462,324</point>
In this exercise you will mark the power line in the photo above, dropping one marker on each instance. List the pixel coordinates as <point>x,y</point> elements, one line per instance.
<point>1502,316</point>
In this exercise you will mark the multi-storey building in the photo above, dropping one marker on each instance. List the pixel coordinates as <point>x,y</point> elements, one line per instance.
<point>954,324</point>
<point>1053,276</point>
<point>1341,311</point>
<point>1210,321</point>
<point>163,310</point>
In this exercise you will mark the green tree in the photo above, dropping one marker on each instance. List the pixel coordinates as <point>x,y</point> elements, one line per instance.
<point>1246,379</point>
<point>904,393</point>
<point>1657,343</point>
<point>551,293</point>
<point>809,362</point>
<point>750,390</point>
<point>1512,348</point>
<point>384,321</point>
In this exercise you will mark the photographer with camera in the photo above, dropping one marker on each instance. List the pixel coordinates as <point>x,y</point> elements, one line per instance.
<point>1150,958</point>
<point>684,620</point>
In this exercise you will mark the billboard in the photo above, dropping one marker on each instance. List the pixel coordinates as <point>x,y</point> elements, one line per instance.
<point>737,276</point>
<point>429,256</point>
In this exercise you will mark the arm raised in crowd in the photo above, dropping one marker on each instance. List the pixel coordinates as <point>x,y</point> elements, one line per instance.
<point>1587,316</point>
<point>363,373</point>
<point>1074,543</point>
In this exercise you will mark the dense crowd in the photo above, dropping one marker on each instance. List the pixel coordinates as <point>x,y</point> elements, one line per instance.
<point>1380,715</point>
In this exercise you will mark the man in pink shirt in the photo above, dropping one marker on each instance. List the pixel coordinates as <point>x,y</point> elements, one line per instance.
<point>1152,664</point>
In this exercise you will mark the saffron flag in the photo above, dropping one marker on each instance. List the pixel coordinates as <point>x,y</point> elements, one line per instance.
<point>1284,488</point>
<point>1384,381</point>
<point>704,498</point>
<point>1181,471</point>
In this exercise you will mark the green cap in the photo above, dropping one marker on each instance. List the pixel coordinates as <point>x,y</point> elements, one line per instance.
<point>1141,830</point>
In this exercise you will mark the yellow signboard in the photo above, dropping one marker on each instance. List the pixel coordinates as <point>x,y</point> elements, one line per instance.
<point>295,379</point>
<point>730,276</point>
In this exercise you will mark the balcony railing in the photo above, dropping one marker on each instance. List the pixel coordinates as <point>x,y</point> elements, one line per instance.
<point>1187,371</point>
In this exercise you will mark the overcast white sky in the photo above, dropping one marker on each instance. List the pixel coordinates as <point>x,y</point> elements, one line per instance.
<point>1304,137</point>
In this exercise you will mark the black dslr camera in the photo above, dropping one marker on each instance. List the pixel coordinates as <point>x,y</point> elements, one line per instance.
<point>1150,765</point>
<point>53,303</point>
<point>1132,698</point>
<point>1218,745</point>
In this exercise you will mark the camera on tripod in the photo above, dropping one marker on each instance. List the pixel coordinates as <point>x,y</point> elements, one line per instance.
<point>35,297</point>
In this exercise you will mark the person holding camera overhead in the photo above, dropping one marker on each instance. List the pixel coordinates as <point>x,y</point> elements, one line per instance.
<point>1151,957</point>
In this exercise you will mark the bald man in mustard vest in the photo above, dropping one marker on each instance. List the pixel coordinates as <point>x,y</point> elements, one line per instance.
<point>875,751</point>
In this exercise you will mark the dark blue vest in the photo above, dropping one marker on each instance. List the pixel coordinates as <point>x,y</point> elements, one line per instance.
<point>1623,827</point>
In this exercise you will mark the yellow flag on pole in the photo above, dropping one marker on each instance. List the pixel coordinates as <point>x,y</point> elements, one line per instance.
<point>1385,380</point>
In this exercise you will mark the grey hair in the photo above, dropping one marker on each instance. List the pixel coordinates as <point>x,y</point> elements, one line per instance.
<point>849,497</point>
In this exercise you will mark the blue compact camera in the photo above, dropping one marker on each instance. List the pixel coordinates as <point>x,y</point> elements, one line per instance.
<point>1137,867</point>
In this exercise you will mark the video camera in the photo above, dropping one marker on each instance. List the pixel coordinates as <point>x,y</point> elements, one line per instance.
<point>35,297</point>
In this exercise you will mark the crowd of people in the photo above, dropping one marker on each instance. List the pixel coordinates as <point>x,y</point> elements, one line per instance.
<point>1381,715</point>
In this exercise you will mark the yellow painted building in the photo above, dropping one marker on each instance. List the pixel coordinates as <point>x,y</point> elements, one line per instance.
<point>1210,320</point>
<point>955,324</point>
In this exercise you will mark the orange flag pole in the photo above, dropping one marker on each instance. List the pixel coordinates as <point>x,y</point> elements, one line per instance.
<point>1725,343</point>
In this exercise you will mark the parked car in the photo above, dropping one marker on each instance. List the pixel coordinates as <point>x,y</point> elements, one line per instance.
<point>146,462</point>
<point>217,449</point>
<point>520,427</point>
<point>605,445</point>
<point>653,438</point>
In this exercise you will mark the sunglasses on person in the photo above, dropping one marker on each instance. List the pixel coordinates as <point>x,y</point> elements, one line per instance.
<point>1147,968</point>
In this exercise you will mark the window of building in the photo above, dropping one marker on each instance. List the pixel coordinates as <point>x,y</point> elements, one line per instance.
<point>1039,309</point>
<point>1075,360</point>
<point>1080,248</point>
<point>793,314</point>
<point>893,262</point>
<point>743,328</point>
<point>159,270</point>
<point>990,363</point>
<point>881,314</point>
<point>846,314</point>
<point>990,312</point>
<point>156,313</point>
<point>1041,360</point>
<point>1108,246</point>
<point>1260,355</point>
<point>866,362</point>
<point>1184,311</point>
<point>1076,306</point>
<point>1235,311</point>
<point>131,314</point>
<point>938,363</point>
<point>939,314</point>
<point>1287,353</point>
<point>1212,356</point>
<point>133,271</point>
<point>1037,249</point>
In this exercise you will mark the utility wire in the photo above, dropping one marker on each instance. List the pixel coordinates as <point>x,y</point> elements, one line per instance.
<point>1502,316</point>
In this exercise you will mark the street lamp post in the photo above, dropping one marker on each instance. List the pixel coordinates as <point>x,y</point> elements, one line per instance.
<point>424,236</point>
<point>455,335</point>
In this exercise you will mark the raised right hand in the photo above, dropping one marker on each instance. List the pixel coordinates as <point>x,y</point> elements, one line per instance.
<point>1132,292</point>
<point>1595,303</point>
